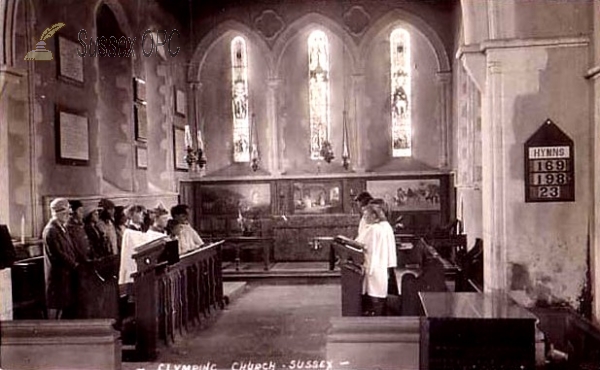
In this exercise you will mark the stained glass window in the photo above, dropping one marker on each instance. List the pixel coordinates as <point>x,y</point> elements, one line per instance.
<point>239,100</point>
<point>318,91</point>
<point>400,99</point>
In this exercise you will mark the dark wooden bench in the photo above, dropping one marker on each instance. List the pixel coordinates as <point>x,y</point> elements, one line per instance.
<point>420,269</point>
<point>470,276</point>
<point>171,298</point>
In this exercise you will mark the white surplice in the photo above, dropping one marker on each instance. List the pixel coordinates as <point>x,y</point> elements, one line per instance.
<point>131,240</point>
<point>380,254</point>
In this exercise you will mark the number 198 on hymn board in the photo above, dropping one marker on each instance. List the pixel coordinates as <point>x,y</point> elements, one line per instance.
<point>550,173</point>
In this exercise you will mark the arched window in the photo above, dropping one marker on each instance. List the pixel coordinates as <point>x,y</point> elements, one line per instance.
<point>318,91</point>
<point>239,100</point>
<point>401,98</point>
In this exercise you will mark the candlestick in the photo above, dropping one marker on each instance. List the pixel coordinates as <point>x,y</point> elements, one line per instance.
<point>200,141</point>
<point>188,137</point>
<point>23,229</point>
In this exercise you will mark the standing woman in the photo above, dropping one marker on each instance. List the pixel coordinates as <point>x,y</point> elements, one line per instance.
<point>107,224</point>
<point>120,222</point>
<point>380,254</point>
<point>99,244</point>
<point>135,214</point>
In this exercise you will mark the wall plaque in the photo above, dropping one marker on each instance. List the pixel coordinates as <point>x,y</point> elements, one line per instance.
<point>70,64</point>
<point>549,165</point>
<point>179,149</point>
<point>72,138</point>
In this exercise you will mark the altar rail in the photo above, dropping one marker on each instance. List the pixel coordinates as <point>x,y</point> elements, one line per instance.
<point>171,299</point>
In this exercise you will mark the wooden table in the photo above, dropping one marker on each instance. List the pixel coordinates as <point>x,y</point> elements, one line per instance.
<point>249,242</point>
<point>316,241</point>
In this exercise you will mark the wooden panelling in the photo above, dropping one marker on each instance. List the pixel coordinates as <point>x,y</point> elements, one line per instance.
<point>304,207</point>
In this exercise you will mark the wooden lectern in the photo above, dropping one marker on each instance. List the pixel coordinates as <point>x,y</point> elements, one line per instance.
<point>352,258</point>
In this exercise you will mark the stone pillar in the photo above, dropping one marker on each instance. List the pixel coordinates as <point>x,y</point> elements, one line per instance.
<point>8,78</point>
<point>355,134</point>
<point>273,128</point>
<point>595,226</point>
<point>508,78</point>
<point>444,80</point>
<point>493,203</point>
<point>594,75</point>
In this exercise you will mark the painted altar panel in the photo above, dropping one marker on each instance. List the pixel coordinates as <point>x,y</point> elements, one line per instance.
<point>251,199</point>
<point>320,197</point>
<point>407,195</point>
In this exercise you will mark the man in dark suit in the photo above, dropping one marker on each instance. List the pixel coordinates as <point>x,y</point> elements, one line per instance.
<point>61,259</point>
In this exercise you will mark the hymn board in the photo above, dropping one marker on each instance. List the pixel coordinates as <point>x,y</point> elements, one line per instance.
<point>549,165</point>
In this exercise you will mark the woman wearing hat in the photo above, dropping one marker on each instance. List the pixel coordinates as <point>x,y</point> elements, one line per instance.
<point>161,218</point>
<point>99,243</point>
<point>106,224</point>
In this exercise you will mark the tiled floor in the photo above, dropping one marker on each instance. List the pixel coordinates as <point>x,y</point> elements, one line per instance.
<point>268,323</point>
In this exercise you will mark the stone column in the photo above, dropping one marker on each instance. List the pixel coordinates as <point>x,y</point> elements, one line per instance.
<point>511,73</point>
<point>8,78</point>
<point>595,226</point>
<point>275,155</point>
<point>354,130</point>
<point>444,81</point>
<point>494,232</point>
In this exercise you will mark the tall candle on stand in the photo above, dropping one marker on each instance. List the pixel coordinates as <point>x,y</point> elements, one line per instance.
<point>23,229</point>
<point>200,141</point>
<point>188,137</point>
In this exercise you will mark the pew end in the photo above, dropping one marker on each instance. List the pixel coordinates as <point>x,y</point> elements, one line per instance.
<point>60,344</point>
<point>374,343</point>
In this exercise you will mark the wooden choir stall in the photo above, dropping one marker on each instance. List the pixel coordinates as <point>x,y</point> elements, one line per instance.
<point>351,260</point>
<point>173,293</point>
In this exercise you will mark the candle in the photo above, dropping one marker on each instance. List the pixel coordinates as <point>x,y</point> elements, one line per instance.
<point>23,229</point>
<point>188,137</point>
<point>200,141</point>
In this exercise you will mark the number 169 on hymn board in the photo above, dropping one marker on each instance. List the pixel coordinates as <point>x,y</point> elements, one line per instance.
<point>549,173</point>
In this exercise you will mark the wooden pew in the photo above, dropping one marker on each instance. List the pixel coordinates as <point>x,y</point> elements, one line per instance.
<point>59,344</point>
<point>470,276</point>
<point>420,269</point>
<point>98,289</point>
<point>351,260</point>
<point>172,298</point>
<point>384,343</point>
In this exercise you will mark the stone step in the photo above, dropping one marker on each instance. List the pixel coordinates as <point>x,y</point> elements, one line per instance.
<point>233,290</point>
